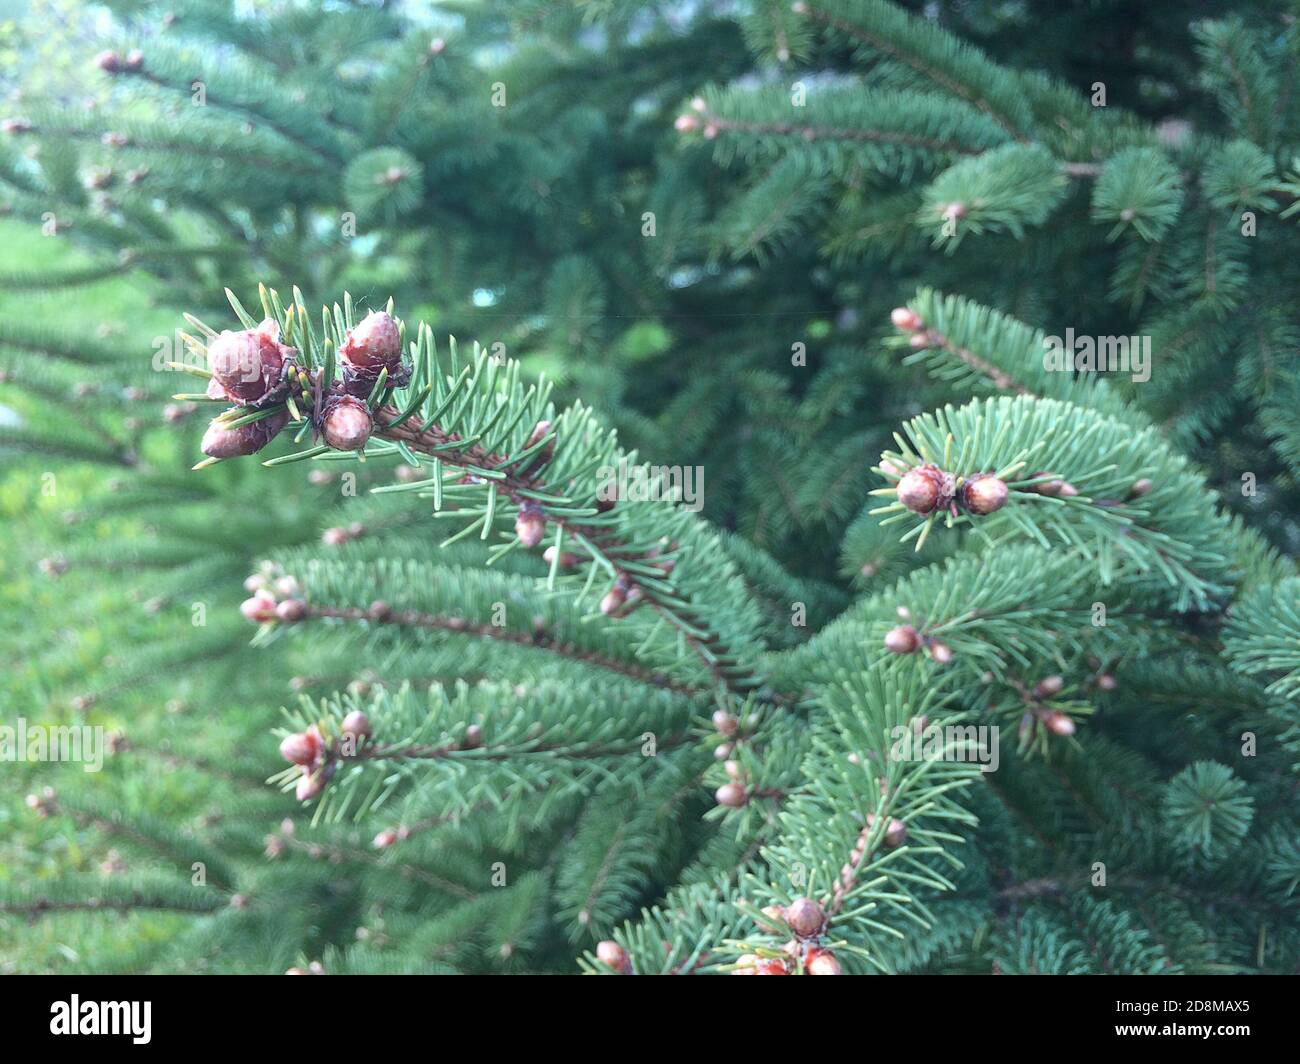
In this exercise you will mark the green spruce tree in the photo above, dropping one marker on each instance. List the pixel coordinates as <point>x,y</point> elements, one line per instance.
<point>816,251</point>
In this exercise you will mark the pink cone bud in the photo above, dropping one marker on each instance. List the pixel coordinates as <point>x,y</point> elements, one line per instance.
<point>375,343</point>
<point>905,319</point>
<point>300,748</point>
<point>347,424</point>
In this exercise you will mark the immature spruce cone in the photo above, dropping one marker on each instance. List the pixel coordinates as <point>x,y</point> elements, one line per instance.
<point>370,347</point>
<point>346,424</point>
<point>922,489</point>
<point>301,748</point>
<point>731,795</point>
<point>615,956</point>
<point>249,364</point>
<point>357,724</point>
<point>903,639</point>
<point>983,493</point>
<point>530,525</point>
<point>821,962</point>
<point>905,319</point>
<point>805,917</point>
<point>222,441</point>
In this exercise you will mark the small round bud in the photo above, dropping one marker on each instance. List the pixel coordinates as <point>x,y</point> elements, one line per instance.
<point>300,748</point>
<point>941,652</point>
<point>347,424</point>
<point>248,364</point>
<point>385,839</point>
<point>379,610</point>
<point>1107,682</point>
<point>613,601</point>
<point>222,441</point>
<point>375,343</point>
<point>906,319</point>
<point>259,609</point>
<point>686,124</point>
<point>612,955</point>
<point>732,795</point>
<point>805,917</point>
<point>821,962</point>
<point>291,610</point>
<point>921,489</point>
<point>734,770</point>
<point>984,493</point>
<point>1141,487</point>
<point>310,786</point>
<point>530,526</point>
<point>771,966</point>
<point>953,211</point>
<point>357,724</point>
<point>902,639</point>
<point>473,737</point>
<point>109,62</point>
<point>1058,723</point>
<point>1049,686</point>
<point>568,560</point>
<point>725,723</point>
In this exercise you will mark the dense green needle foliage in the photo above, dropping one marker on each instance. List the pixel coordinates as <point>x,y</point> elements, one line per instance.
<point>627,239</point>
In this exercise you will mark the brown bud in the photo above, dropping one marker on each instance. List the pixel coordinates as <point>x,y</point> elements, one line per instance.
<point>473,737</point>
<point>731,795</point>
<point>983,493</point>
<point>1049,686</point>
<point>895,831</point>
<point>375,343</point>
<point>310,785</point>
<point>1058,723</point>
<point>567,559</point>
<point>530,526</point>
<point>725,723</point>
<point>612,955</point>
<point>222,441</point>
<point>347,424</point>
<point>357,724</point>
<point>291,610</point>
<point>250,363</point>
<point>613,601</point>
<point>921,489</point>
<point>905,319</point>
<point>902,639</point>
<point>109,62</point>
<point>1107,682</point>
<point>1141,487</point>
<point>300,748</point>
<point>821,962</point>
<point>385,839</point>
<point>686,123</point>
<point>940,652</point>
<point>805,917</point>
<point>258,609</point>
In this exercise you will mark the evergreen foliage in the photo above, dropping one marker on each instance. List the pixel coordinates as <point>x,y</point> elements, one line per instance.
<point>626,238</point>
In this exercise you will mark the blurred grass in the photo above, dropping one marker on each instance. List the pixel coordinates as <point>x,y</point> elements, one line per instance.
<point>40,614</point>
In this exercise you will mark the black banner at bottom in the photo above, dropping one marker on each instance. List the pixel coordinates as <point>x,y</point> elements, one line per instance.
<point>142,1013</point>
